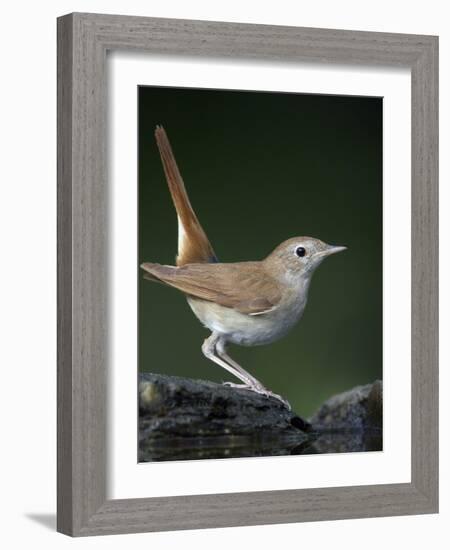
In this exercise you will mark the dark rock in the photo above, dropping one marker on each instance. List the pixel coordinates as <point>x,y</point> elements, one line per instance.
<point>185,418</point>
<point>181,419</point>
<point>301,424</point>
<point>358,409</point>
<point>173,406</point>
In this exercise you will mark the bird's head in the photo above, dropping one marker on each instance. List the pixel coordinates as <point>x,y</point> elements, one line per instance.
<point>299,257</point>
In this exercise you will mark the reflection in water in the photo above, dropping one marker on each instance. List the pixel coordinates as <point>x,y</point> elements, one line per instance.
<point>160,449</point>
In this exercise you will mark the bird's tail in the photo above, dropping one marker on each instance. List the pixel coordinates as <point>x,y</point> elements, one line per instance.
<point>193,244</point>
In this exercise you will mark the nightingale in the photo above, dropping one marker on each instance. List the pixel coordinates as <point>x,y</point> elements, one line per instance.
<point>245,303</point>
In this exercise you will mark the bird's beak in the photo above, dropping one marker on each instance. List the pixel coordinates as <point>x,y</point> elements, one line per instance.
<point>331,249</point>
<point>335,249</point>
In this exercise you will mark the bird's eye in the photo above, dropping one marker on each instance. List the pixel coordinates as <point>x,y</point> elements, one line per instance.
<point>300,251</point>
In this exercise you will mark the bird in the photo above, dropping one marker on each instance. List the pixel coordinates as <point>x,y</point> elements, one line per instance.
<point>246,303</point>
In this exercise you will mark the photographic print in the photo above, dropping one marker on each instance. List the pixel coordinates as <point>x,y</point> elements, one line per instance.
<point>260,273</point>
<point>152,177</point>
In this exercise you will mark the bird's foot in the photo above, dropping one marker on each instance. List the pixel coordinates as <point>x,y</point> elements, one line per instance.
<point>238,386</point>
<point>268,393</point>
<point>259,389</point>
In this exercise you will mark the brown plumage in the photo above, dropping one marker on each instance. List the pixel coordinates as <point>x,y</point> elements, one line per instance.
<point>193,244</point>
<point>245,286</point>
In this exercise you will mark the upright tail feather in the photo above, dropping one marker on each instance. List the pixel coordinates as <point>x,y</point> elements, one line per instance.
<point>193,244</point>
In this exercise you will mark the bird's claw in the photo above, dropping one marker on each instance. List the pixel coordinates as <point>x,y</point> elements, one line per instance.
<point>260,390</point>
<point>238,386</point>
<point>285,402</point>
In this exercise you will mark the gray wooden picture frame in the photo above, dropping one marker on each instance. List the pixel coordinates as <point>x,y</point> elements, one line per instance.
<point>83,41</point>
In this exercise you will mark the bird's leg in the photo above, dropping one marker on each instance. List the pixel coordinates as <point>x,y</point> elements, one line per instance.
<point>209,349</point>
<point>214,349</point>
<point>251,382</point>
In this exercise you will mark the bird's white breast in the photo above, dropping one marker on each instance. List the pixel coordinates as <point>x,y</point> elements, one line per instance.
<point>251,330</point>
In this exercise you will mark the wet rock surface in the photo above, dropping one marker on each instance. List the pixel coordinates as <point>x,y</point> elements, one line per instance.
<point>181,419</point>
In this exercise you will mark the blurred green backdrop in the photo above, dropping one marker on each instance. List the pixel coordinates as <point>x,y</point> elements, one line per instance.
<point>260,168</point>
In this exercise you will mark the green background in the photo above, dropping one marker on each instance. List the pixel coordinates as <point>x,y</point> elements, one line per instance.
<point>260,168</point>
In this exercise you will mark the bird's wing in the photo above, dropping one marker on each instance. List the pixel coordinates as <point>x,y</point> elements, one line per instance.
<point>244,286</point>
<point>193,244</point>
